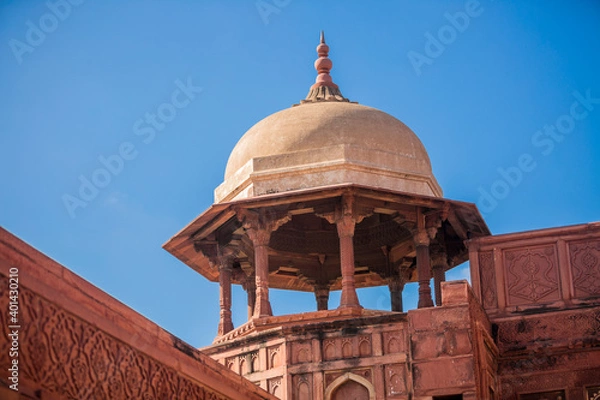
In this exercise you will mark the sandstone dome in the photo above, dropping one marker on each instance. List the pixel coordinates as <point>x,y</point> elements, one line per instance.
<point>327,140</point>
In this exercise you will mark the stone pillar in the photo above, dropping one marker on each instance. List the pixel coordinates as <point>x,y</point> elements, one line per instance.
<point>345,227</point>
<point>396,286</point>
<point>225,323</point>
<point>251,292</point>
<point>423,268</point>
<point>259,228</point>
<point>322,296</point>
<point>439,267</point>
<point>260,240</point>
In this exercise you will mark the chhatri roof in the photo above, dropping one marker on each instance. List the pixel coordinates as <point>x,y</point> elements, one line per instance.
<point>327,140</point>
<point>297,168</point>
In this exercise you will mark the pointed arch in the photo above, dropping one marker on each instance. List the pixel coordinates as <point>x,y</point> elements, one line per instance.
<point>349,376</point>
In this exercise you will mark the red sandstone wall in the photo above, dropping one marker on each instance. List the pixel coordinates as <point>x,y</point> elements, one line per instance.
<point>76,342</point>
<point>542,292</point>
<point>426,352</point>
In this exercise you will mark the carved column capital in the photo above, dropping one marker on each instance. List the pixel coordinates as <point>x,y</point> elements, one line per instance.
<point>346,215</point>
<point>421,237</point>
<point>322,296</point>
<point>439,258</point>
<point>258,236</point>
<point>345,226</point>
<point>259,226</point>
<point>395,283</point>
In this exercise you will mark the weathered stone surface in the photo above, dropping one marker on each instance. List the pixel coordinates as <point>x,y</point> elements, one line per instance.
<point>430,351</point>
<point>539,289</point>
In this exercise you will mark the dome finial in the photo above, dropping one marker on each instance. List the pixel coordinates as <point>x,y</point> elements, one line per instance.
<point>324,89</point>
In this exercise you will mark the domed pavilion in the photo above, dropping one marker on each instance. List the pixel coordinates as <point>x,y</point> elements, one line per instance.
<point>326,195</point>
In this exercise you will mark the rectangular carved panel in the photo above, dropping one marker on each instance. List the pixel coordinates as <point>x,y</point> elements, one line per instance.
<point>395,379</point>
<point>364,346</point>
<point>275,387</point>
<point>570,328</point>
<point>275,357</point>
<point>301,352</point>
<point>584,257</point>
<point>531,275</point>
<point>330,349</point>
<point>394,342</point>
<point>487,273</point>
<point>303,387</point>
<point>555,395</point>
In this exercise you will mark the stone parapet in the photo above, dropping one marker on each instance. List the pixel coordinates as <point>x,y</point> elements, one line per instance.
<point>77,342</point>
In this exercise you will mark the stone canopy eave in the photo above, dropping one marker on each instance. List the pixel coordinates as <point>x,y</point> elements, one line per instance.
<point>464,218</point>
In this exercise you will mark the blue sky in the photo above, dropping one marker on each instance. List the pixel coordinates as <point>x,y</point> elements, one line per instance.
<point>507,105</point>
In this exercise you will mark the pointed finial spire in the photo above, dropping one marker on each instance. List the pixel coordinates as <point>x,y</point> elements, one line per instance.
<point>323,65</point>
<point>323,89</point>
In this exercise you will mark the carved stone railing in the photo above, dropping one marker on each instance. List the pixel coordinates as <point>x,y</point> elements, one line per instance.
<point>545,269</point>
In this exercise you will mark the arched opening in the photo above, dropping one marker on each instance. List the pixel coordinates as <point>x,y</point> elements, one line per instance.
<point>350,390</point>
<point>350,387</point>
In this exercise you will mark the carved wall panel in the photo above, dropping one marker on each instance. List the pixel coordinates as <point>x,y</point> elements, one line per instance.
<point>301,352</point>
<point>364,346</point>
<point>531,275</point>
<point>488,282</point>
<point>394,342</point>
<point>274,387</point>
<point>233,364</point>
<point>244,366</point>
<point>73,359</point>
<point>395,379</point>
<point>275,358</point>
<point>254,362</point>
<point>347,348</point>
<point>330,349</point>
<point>585,266</point>
<point>571,327</point>
<point>303,387</point>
